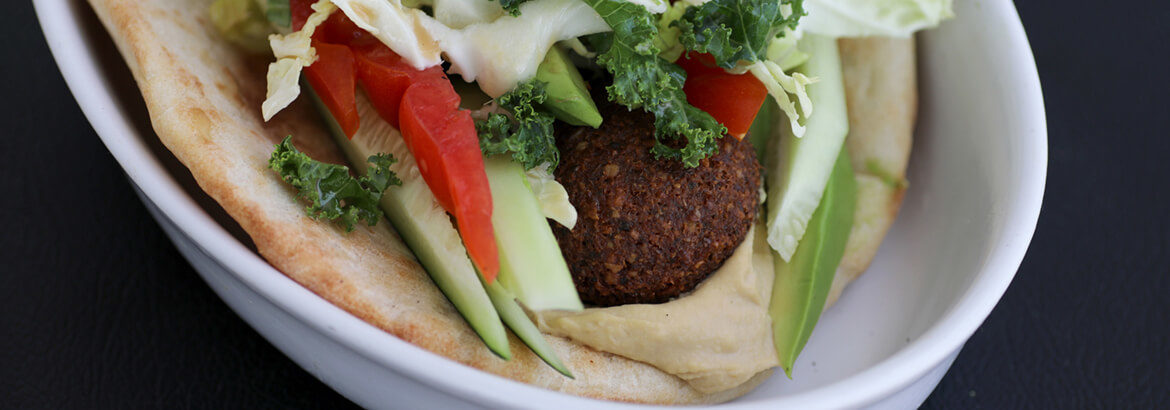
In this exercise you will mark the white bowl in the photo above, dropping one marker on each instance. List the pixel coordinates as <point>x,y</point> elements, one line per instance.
<point>977,174</point>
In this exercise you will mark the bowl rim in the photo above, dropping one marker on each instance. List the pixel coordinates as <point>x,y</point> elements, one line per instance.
<point>61,23</point>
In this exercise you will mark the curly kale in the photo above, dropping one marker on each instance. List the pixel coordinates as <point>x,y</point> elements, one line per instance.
<point>332,193</point>
<point>512,6</point>
<point>736,30</point>
<point>528,135</point>
<point>643,79</point>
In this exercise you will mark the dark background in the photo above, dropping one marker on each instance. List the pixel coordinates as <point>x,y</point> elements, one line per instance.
<point>98,309</point>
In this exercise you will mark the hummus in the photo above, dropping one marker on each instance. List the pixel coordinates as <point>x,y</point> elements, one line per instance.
<point>715,338</point>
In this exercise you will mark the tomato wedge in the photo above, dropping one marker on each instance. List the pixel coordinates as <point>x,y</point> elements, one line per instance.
<point>420,103</point>
<point>446,147</point>
<point>332,77</point>
<point>733,99</point>
<point>299,11</point>
<point>385,76</point>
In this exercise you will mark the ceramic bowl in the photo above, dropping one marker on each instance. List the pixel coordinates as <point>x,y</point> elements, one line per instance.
<point>977,178</point>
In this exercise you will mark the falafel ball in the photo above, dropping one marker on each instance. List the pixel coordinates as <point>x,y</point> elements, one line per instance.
<point>649,229</point>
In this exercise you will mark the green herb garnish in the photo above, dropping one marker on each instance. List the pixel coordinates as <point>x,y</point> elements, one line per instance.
<point>643,79</point>
<point>528,135</point>
<point>737,30</point>
<point>332,193</point>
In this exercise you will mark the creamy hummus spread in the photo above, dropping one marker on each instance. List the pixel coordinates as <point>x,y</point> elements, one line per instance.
<point>717,337</point>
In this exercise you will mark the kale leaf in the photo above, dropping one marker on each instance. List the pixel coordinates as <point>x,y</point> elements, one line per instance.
<point>530,136</point>
<point>736,30</point>
<point>512,6</point>
<point>332,193</point>
<point>643,79</point>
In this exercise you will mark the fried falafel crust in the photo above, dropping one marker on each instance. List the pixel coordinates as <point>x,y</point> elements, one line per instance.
<point>649,229</point>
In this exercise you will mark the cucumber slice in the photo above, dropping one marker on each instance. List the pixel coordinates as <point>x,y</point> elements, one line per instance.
<point>420,221</point>
<point>802,284</point>
<point>523,327</point>
<point>799,168</point>
<point>531,265</point>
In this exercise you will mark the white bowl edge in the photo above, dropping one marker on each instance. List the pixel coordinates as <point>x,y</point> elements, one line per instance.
<point>936,344</point>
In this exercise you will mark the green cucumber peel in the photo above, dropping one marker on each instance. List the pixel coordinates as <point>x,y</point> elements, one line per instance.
<point>522,326</point>
<point>799,167</point>
<point>802,283</point>
<point>531,264</point>
<point>426,229</point>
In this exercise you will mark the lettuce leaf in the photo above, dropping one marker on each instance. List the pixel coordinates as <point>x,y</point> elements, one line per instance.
<point>737,30</point>
<point>861,18</point>
<point>553,198</point>
<point>332,193</point>
<point>643,79</point>
<point>242,22</point>
<point>293,52</point>
<point>528,135</point>
<point>668,33</point>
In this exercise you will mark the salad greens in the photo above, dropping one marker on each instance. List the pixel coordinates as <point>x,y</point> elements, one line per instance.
<point>737,30</point>
<point>278,13</point>
<point>512,6</point>
<point>243,22</point>
<point>528,135</point>
<point>332,193</point>
<point>644,80</point>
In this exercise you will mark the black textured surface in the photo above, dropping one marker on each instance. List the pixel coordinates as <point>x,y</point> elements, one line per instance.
<point>97,309</point>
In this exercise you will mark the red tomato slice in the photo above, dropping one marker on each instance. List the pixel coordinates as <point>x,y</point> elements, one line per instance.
<point>385,76</point>
<point>299,11</point>
<point>699,64</point>
<point>332,77</point>
<point>446,147</point>
<point>337,29</point>
<point>733,99</point>
<point>425,107</point>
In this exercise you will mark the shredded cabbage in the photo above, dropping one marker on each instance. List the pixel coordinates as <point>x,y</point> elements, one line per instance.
<point>462,13</point>
<point>861,18</point>
<point>501,54</point>
<point>399,27</point>
<point>552,196</point>
<point>668,34</point>
<point>782,86</point>
<point>293,52</point>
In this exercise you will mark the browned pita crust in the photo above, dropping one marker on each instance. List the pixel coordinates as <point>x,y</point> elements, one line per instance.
<point>882,97</point>
<point>204,95</point>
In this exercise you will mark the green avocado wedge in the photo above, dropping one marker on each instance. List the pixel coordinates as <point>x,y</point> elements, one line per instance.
<point>568,96</point>
<point>426,228</point>
<point>802,284</point>
<point>763,128</point>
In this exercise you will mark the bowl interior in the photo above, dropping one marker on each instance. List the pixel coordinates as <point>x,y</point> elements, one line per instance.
<point>976,175</point>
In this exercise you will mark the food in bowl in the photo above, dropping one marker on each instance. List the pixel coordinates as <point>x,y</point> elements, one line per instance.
<point>701,276</point>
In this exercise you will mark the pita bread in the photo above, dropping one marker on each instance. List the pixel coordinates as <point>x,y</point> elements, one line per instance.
<point>203,96</point>
<point>882,97</point>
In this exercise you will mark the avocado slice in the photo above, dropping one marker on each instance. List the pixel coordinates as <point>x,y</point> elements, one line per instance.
<point>568,96</point>
<point>425,228</point>
<point>802,284</point>
<point>763,128</point>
